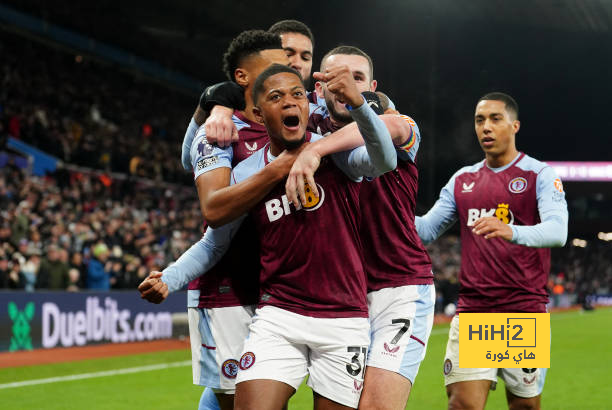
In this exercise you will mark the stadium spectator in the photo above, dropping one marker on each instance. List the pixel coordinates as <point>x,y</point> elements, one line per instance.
<point>99,269</point>
<point>53,273</point>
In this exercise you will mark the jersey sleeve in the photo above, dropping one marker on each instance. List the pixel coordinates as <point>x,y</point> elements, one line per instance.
<point>201,257</point>
<point>441,216</point>
<point>408,150</point>
<point>206,157</point>
<point>552,207</point>
<point>190,134</point>
<point>377,156</point>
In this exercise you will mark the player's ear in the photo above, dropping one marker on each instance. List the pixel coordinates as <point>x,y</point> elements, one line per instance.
<point>373,85</point>
<point>242,77</point>
<point>516,125</point>
<point>257,114</point>
<point>319,89</point>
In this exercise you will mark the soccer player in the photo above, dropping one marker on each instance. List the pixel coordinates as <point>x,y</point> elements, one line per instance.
<point>304,281</point>
<point>400,281</point>
<point>220,305</point>
<point>298,43</point>
<point>511,208</point>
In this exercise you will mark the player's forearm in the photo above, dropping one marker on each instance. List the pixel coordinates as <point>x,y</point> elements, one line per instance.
<point>550,233</point>
<point>200,115</point>
<point>377,139</point>
<point>434,223</point>
<point>200,257</point>
<point>228,203</point>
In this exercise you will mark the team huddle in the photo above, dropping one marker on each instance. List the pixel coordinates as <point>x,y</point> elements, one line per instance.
<point>313,263</point>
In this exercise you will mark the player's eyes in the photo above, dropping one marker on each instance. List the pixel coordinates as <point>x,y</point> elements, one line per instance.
<point>298,94</point>
<point>306,57</point>
<point>274,97</point>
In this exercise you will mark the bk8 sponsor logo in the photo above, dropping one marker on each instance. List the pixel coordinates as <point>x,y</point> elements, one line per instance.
<point>277,208</point>
<point>502,212</point>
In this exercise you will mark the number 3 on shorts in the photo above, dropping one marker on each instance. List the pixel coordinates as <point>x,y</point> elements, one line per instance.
<point>356,366</point>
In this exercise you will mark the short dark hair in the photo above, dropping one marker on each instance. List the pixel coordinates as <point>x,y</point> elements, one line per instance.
<point>510,103</point>
<point>292,26</point>
<point>246,44</point>
<point>269,72</point>
<point>349,50</point>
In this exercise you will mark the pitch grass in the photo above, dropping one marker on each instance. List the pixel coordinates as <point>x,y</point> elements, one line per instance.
<point>579,378</point>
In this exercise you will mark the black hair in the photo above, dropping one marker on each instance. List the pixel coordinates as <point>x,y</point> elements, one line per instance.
<point>269,72</point>
<point>350,50</point>
<point>292,26</point>
<point>511,105</point>
<point>246,44</point>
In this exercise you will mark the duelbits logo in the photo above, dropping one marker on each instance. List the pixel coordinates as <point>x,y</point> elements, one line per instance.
<point>21,338</point>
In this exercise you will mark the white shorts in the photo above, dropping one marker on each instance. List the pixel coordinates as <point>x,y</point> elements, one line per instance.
<point>523,383</point>
<point>217,338</point>
<point>286,346</point>
<point>400,320</point>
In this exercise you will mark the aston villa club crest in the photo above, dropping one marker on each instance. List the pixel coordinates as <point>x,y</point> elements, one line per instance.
<point>448,366</point>
<point>517,185</point>
<point>229,368</point>
<point>247,360</point>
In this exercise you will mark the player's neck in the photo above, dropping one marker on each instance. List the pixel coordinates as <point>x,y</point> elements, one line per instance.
<point>500,160</point>
<point>276,147</point>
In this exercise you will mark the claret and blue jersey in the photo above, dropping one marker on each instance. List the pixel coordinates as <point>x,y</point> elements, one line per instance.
<point>496,275</point>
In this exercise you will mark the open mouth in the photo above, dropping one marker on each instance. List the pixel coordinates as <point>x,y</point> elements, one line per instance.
<point>488,141</point>
<point>292,122</point>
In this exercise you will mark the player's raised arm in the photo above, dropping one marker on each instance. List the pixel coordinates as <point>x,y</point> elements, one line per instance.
<point>440,217</point>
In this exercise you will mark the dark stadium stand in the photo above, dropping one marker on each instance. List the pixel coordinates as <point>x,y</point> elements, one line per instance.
<point>89,113</point>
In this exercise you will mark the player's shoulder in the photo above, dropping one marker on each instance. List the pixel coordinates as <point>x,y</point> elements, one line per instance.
<point>249,166</point>
<point>240,121</point>
<point>531,164</point>
<point>470,169</point>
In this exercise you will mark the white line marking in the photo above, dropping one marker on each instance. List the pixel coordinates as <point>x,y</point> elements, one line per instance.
<point>96,374</point>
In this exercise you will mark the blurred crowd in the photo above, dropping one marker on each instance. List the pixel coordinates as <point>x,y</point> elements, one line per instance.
<point>88,113</point>
<point>83,231</point>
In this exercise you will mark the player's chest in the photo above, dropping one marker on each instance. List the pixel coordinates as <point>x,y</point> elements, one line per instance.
<point>508,196</point>
<point>336,194</point>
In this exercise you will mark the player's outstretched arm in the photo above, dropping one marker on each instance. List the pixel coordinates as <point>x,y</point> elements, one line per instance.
<point>345,139</point>
<point>196,261</point>
<point>440,217</point>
